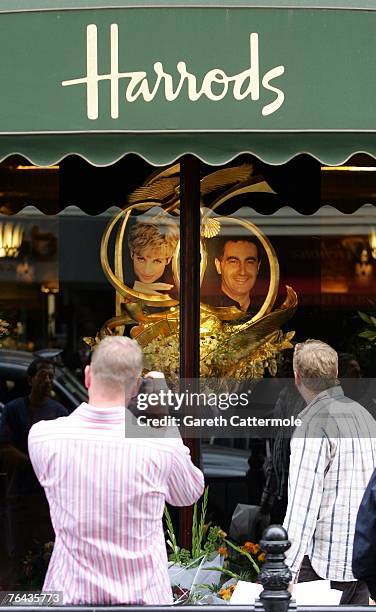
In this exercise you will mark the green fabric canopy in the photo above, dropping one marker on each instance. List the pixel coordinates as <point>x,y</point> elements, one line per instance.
<point>216,79</point>
<point>39,5</point>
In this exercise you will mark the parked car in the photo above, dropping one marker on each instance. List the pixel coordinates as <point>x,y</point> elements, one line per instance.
<point>67,389</point>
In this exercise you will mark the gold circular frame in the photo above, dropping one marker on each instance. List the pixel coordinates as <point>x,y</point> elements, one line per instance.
<point>116,278</point>
<point>273,267</point>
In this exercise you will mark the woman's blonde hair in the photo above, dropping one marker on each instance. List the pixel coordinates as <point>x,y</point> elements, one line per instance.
<point>162,238</point>
<point>316,363</point>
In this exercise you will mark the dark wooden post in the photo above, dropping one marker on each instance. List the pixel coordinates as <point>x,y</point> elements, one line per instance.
<point>275,576</point>
<point>189,299</point>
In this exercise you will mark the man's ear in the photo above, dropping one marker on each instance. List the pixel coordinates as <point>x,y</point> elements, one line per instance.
<point>217,263</point>
<point>136,386</point>
<point>87,377</point>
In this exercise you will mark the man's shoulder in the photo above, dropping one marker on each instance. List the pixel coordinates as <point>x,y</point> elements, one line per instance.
<point>15,404</point>
<point>48,429</point>
<point>56,407</point>
<point>171,446</point>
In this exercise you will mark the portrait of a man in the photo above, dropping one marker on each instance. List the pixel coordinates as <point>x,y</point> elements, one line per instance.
<point>232,277</point>
<point>151,248</point>
<point>238,263</point>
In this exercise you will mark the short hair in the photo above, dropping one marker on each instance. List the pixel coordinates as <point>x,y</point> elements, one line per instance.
<point>37,364</point>
<point>317,365</point>
<point>162,237</point>
<point>116,362</point>
<point>220,243</point>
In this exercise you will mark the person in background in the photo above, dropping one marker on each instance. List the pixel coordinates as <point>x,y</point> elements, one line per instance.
<point>21,413</point>
<point>333,455</point>
<point>353,384</point>
<point>289,403</point>
<point>364,551</point>
<point>25,506</point>
<point>107,491</point>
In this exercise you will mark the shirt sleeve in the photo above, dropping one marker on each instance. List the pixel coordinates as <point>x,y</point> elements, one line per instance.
<point>186,481</point>
<point>308,461</point>
<point>364,551</point>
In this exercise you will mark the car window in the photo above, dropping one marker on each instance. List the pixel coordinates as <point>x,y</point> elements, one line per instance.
<point>12,387</point>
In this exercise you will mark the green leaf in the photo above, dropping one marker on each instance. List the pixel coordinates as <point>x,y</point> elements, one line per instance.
<point>368,335</point>
<point>365,317</point>
<point>246,554</point>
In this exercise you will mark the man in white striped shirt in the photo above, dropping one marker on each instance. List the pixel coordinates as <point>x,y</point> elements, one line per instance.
<point>107,491</point>
<point>333,455</point>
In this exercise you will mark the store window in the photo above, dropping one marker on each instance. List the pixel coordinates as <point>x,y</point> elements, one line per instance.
<point>287,253</point>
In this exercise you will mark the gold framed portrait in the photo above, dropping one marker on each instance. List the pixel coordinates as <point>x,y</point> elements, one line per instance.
<point>238,255</point>
<point>144,247</point>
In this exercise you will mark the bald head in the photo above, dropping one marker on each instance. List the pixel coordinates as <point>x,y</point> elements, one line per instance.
<point>115,368</point>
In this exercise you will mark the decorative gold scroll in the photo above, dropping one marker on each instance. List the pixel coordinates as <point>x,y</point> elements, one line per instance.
<point>232,343</point>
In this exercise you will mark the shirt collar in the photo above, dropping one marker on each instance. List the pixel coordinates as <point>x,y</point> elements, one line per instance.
<point>111,413</point>
<point>328,394</point>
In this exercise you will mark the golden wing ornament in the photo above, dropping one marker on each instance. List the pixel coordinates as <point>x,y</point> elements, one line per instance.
<point>245,350</point>
<point>226,178</point>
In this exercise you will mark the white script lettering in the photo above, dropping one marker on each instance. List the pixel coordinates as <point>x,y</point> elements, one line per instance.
<point>215,84</point>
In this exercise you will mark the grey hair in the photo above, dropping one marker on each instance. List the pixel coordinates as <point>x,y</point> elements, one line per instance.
<point>117,362</point>
<point>317,364</point>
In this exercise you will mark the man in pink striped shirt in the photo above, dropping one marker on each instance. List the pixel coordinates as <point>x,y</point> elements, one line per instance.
<point>107,492</point>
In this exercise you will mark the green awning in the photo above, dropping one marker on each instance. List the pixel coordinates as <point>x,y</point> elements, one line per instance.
<point>213,78</point>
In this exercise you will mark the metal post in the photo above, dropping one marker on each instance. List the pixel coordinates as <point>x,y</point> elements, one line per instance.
<point>189,298</point>
<point>275,576</point>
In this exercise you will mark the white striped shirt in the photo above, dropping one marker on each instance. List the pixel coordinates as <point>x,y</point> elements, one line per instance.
<point>106,494</point>
<point>333,456</point>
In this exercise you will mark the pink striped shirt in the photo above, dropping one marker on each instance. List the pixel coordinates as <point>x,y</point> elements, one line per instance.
<point>106,494</point>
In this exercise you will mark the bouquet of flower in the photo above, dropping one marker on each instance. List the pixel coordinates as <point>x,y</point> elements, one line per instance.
<point>244,562</point>
<point>202,565</point>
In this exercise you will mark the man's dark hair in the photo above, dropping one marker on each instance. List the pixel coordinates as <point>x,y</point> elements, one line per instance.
<point>219,245</point>
<point>37,364</point>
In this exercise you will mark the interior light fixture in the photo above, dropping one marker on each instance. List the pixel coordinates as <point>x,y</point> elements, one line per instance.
<point>372,242</point>
<point>53,168</point>
<point>10,239</point>
<point>348,168</point>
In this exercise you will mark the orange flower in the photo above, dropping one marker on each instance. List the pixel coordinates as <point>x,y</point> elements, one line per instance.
<point>261,558</point>
<point>226,593</point>
<point>251,548</point>
<point>223,551</point>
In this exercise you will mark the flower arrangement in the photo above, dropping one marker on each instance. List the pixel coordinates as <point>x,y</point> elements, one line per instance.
<point>192,571</point>
<point>227,591</point>
<point>206,540</point>
<point>244,562</point>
